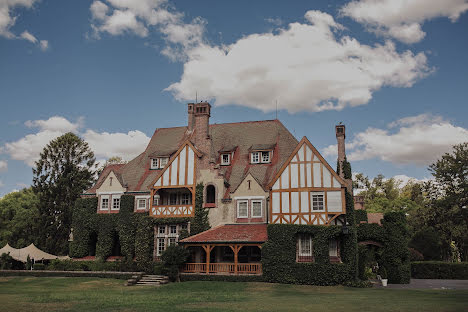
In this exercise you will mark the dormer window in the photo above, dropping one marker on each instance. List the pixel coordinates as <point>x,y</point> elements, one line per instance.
<point>225,159</point>
<point>159,163</point>
<point>263,157</point>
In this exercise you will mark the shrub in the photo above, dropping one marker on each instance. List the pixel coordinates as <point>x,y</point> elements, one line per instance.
<point>415,255</point>
<point>439,270</point>
<point>39,266</point>
<point>383,272</point>
<point>361,215</point>
<point>6,261</point>
<point>173,258</point>
<point>428,242</point>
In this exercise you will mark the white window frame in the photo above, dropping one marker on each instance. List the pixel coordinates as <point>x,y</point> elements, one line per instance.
<point>333,243</point>
<point>171,227</point>
<point>255,157</point>
<point>223,162</point>
<point>261,208</point>
<point>269,157</point>
<point>114,198</point>
<point>163,162</point>
<point>156,199</point>
<point>247,208</point>
<point>159,249</point>
<point>307,239</point>
<point>159,229</point>
<point>172,241</point>
<point>139,201</point>
<point>154,163</point>
<point>312,194</point>
<point>101,202</point>
<point>159,162</point>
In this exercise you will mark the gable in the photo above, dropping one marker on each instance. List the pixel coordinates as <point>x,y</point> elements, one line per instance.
<point>180,171</point>
<point>306,168</point>
<point>249,187</point>
<point>111,184</point>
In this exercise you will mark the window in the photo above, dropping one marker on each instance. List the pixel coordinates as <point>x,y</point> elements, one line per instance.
<point>141,203</point>
<point>225,159</point>
<point>161,245</point>
<point>159,163</point>
<point>265,157</point>
<point>163,162</point>
<point>185,199</point>
<point>116,203</point>
<point>255,158</point>
<point>333,248</point>
<point>256,208</point>
<point>173,199</point>
<point>172,241</point>
<point>304,248</point>
<point>173,229</point>
<point>317,201</point>
<point>210,194</point>
<point>242,209</point>
<point>162,229</point>
<point>184,226</point>
<point>105,203</point>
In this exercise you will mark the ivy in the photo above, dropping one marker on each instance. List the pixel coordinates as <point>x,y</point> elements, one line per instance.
<point>347,169</point>
<point>360,215</point>
<point>200,221</point>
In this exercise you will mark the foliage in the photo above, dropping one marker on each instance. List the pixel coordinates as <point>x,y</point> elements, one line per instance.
<point>347,169</point>
<point>114,160</point>
<point>28,263</point>
<point>361,215</point>
<point>173,258</point>
<point>71,265</point>
<point>383,272</point>
<point>447,201</point>
<point>19,216</point>
<point>200,221</point>
<point>62,173</point>
<point>415,255</point>
<point>39,266</point>
<point>279,256</point>
<point>427,241</point>
<point>74,274</point>
<point>6,261</point>
<point>439,270</point>
<point>395,255</point>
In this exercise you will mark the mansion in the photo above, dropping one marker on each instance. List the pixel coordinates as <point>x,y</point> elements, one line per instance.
<point>253,174</point>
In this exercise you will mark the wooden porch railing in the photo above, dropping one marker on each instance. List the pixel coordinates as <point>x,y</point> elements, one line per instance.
<point>223,268</point>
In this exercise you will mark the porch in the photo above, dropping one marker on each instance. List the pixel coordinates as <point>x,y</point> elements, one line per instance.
<point>233,249</point>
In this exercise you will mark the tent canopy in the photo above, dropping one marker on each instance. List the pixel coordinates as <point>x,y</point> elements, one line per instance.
<point>31,250</point>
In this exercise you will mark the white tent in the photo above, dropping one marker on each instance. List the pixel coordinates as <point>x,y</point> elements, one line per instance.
<point>31,250</point>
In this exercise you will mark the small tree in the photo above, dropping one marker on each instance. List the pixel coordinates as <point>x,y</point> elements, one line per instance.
<point>28,263</point>
<point>173,258</point>
<point>200,221</point>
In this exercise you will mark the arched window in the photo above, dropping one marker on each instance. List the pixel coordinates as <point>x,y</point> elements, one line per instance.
<point>210,194</point>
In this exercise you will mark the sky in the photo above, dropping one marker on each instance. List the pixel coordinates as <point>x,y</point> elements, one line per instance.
<point>113,71</point>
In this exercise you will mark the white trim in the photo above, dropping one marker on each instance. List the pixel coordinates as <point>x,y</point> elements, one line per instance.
<point>112,202</point>
<point>223,163</point>
<point>238,204</point>
<point>308,240</point>
<point>248,197</point>
<point>137,200</point>
<point>252,208</point>
<point>252,156</point>
<point>110,193</point>
<point>312,201</point>
<point>108,202</point>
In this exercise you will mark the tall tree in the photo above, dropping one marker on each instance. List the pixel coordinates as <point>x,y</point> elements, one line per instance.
<point>19,216</point>
<point>63,172</point>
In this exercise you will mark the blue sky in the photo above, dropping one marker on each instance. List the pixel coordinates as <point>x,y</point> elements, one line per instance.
<point>395,76</point>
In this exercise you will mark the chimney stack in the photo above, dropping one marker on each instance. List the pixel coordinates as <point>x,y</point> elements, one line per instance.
<point>340,131</point>
<point>199,122</point>
<point>191,116</point>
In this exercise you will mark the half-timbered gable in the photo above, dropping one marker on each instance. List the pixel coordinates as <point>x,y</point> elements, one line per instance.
<point>306,190</point>
<point>173,190</point>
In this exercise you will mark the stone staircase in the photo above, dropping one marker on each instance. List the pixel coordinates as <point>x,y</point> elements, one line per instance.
<point>148,280</point>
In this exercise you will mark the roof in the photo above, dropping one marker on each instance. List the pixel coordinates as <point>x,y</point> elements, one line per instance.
<point>32,251</point>
<point>137,176</point>
<point>231,233</point>
<point>374,217</point>
<point>262,147</point>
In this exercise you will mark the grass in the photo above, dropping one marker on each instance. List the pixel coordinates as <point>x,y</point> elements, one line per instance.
<point>94,294</point>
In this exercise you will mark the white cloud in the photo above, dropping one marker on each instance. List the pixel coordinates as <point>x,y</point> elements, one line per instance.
<point>404,179</point>
<point>402,19</point>
<point>104,145</point>
<point>3,166</point>
<point>276,21</point>
<point>126,145</point>
<point>305,66</point>
<point>117,17</point>
<point>8,20</point>
<point>2,185</point>
<point>419,140</point>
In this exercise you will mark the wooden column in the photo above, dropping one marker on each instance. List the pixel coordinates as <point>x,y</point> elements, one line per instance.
<point>235,249</point>
<point>208,249</point>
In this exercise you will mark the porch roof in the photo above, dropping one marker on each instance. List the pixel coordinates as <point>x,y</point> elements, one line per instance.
<point>231,233</point>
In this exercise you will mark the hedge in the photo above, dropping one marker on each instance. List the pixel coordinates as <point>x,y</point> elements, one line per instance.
<point>117,275</point>
<point>439,270</point>
<point>221,278</point>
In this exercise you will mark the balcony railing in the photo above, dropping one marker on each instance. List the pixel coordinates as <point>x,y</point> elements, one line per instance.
<point>223,268</point>
<point>167,211</point>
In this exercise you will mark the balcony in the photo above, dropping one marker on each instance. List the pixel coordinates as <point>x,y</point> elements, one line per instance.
<point>223,268</point>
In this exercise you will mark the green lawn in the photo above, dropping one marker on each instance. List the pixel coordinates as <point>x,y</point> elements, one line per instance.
<point>94,294</point>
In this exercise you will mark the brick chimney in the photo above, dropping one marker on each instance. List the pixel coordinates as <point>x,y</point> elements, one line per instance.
<point>199,122</point>
<point>340,131</point>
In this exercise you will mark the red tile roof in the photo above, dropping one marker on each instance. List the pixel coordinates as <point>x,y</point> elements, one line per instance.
<point>231,233</point>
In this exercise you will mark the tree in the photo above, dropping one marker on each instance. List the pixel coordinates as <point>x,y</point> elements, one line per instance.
<point>63,172</point>
<point>19,216</point>
<point>114,160</point>
<point>200,221</point>
<point>447,200</point>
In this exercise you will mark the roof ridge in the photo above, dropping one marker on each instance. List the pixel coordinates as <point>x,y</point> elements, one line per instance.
<point>244,122</point>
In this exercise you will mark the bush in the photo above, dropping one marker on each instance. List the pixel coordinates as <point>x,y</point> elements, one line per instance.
<point>428,242</point>
<point>6,261</point>
<point>439,270</point>
<point>173,258</point>
<point>39,266</point>
<point>383,272</point>
<point>415,255</point>
<point>361,215</point>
